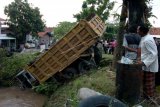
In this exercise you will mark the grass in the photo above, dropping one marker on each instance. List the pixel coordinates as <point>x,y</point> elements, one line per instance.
<point>101,80</point>
<point>11,66</point>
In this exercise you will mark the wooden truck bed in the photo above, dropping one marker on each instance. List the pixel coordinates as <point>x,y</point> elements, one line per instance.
<point>67,50</point>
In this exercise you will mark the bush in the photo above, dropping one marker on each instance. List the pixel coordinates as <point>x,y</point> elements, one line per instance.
<point>3,53</point>
<point>10,66</point>
<point>106,60</point>
<point>46,88</point>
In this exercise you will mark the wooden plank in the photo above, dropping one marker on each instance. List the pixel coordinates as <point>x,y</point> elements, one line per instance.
<point>67,50</point>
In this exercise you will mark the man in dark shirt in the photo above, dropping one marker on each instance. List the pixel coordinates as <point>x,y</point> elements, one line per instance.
<point>131,43</point>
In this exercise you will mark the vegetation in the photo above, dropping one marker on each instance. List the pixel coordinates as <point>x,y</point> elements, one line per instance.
<point>101,80</point>
<point>111,31</point>
<point>23,19</point>
<point>11,66</point>
<point>90,80</point>
<point>3,54</point>
<point>59,93</point>
<point>100,7</point>
<point>62,28</point>
<point>138,13</point>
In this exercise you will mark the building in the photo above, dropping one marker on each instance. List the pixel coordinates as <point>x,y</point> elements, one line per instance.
<point>155,32</point>
<point>5,41</point>
<point>46,37</point>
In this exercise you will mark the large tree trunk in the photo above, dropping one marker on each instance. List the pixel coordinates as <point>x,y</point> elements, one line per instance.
<point>135,12</point>
<point>134,9</point>
<point>118,50</point>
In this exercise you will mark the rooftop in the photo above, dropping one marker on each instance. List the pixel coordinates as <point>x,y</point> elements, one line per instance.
<point>154,31</point>
<point>47,30</point>
<point>5,37</point>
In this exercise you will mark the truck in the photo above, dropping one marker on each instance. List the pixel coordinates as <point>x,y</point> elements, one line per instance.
<point>64,56</point>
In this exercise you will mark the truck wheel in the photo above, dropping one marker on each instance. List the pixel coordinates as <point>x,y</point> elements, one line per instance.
<point>83,66</point>
<point>69,73</point>
<point>59,78</point>
<point>101,101</point>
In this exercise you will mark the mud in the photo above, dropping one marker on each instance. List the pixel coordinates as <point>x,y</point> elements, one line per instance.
<point>15,97</point>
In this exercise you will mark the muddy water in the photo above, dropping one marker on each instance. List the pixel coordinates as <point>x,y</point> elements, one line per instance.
<point>15,97</point>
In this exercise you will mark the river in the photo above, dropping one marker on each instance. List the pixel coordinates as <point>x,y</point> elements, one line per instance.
<point>15,97</point>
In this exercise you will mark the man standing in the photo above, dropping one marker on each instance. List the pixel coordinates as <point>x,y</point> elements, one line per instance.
<point>149,60</point>
<point>131,42</point>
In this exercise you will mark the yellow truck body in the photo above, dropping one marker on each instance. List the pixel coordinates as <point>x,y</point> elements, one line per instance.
<point>67,49</point>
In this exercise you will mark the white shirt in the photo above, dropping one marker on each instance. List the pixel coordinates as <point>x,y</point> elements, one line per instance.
<point>149,54</point>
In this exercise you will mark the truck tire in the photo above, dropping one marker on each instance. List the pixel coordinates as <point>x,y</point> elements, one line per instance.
<point>101,101</point>
<point>83,66</point>
<point>58,77</point>
<point>69,73</point>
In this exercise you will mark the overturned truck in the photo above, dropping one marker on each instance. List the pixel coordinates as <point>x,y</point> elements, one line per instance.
<point>66,56</point>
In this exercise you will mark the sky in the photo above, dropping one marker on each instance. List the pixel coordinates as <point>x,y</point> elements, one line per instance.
<point>55,11</point>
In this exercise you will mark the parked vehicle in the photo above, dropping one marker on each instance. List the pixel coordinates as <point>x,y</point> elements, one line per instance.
<point>68,56</point>
<point>30,45</point>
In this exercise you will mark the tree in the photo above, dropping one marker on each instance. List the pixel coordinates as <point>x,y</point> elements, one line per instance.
<point>23,19</point>
<point>62,28</point>
<point>138,13</point>
<point>118,50</point>
<point>111,31</point>
<point>100,7</point>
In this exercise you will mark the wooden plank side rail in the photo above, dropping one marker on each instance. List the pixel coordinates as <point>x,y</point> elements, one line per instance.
<point>67,49</point>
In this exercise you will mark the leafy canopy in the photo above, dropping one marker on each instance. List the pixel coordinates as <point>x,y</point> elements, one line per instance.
<point>23,19</point>
<point>62,28</point>
<point>100,7</point>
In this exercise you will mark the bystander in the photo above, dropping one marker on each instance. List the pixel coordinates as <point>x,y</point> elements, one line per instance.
<point>149,61</point>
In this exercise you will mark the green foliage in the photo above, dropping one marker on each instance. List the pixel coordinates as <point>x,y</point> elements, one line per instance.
<point>148,12</point>
<point>111,31</point>
<point>63,28</point>
<point>23,19</point>
<point>99,80</point>
<point>106,60</point>
<point>46,88</point>
<point>10,66</point>
<point>2,54</point>
<point>100,7</point>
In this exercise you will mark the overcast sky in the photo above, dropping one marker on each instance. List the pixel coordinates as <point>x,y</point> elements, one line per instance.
<point>55,11</point>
